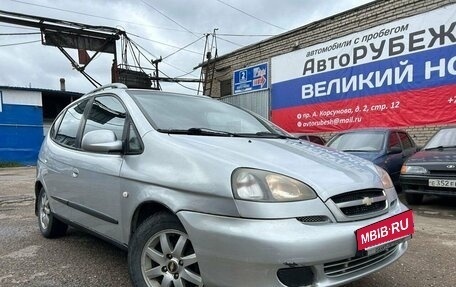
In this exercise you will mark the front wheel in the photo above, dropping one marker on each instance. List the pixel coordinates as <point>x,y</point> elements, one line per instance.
<point>161,254</point>
<point>50,226</point>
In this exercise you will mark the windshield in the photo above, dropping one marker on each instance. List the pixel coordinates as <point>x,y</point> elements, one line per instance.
<point>359,141</point>
<point>443,138</point>
<point>173,113</point>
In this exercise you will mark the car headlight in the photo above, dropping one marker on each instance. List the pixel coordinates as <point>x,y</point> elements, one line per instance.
<point>385,178</point>
<point>261,185</point>
<point>412,169</point>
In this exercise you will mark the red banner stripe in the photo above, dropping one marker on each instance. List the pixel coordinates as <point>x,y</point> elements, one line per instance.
<point>418,107</point>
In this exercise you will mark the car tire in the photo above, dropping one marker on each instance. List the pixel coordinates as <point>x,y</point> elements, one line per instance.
<point>414,199</point>
<point>160,254</point>
<point>50,226</point>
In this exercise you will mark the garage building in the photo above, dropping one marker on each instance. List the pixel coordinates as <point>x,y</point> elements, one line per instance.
<point>25,117</point>
<point>384,64</point>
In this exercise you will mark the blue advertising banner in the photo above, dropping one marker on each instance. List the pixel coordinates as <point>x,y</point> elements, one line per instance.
<point>249,79</point>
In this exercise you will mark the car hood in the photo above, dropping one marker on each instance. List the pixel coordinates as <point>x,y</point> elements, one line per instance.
<point>367,155</point>
<point>327,171</point>
<point>433,156</point>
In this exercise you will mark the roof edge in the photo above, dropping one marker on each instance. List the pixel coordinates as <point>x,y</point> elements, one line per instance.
<point>40,90</point>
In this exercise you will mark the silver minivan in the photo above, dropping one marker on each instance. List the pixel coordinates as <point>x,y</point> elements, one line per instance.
<point>202,193</point>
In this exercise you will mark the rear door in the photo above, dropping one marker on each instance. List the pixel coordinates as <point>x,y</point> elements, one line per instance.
<point>59,153</point>
<point>408,145</point>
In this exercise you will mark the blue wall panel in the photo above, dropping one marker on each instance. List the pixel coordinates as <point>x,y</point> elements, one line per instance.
<point>21,133</point>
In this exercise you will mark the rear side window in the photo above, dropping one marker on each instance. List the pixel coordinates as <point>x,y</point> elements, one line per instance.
<point>68,129</point>
<point>406,141</point>
<point>393,141</point>
<point>106,113</point>
<point>316,139</point>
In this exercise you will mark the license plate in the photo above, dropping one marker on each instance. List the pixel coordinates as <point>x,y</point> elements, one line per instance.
<point>442,183</point>
<point>385,246</point>
<point>383,234</point>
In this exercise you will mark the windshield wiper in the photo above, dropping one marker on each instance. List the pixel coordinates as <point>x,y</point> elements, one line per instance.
<point>211,132</point>
<point>198,131</point>
<point>279,136</point>
<point>440,147</point>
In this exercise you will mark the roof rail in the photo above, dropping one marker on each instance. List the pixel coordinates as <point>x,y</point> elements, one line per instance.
<point>109,86</point>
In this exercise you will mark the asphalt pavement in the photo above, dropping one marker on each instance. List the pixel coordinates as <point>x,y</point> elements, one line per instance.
<point>79,259</point>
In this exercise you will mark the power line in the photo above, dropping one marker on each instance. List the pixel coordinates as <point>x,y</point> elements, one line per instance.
<point>100,17</point>
<point>21,43</point>
<point>186,74</point>
<point>181,49</point>
<point>128,22</point>
<point>19,34</point>
<point>179,69</point>
<point>17,27</point>
<point>244,35</point>
<point>161,71</point>
<point>145,50</point>
<point>228,41</point>
<point>169,18</point>
<point>192,89</point>
<point>164,44</point>
<point>250,15</point>
<point>136,44</point>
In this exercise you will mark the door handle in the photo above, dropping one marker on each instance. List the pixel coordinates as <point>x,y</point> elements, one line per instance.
<point>75,172</point>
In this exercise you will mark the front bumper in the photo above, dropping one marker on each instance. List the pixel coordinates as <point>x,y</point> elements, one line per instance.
<point>248,252</point>
<point>419,184</point>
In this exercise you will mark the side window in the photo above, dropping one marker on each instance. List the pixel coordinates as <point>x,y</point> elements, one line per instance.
<point>316,139</point>
<point>55,126</point>
<point>406,141</point>
<point>134,142</point>
<point>106,113</point>
<point>393,141</point>
<point>68,129</point>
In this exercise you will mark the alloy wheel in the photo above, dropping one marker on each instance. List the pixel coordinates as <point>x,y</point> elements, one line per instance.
<point>168,260</point>
<point>45,211</point>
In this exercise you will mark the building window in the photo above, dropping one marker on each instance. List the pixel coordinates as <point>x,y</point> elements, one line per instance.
<point>225,88</point>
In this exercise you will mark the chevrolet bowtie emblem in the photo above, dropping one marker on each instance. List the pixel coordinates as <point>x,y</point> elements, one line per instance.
<point>368,201</point>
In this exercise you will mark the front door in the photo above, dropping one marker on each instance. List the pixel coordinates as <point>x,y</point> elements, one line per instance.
<point>98,173</point>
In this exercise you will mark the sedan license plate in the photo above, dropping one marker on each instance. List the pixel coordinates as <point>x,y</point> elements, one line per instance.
<point>386,233</point>
<point>442,183</point>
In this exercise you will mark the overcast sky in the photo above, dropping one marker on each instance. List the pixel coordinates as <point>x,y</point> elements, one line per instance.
<point>162,26</point>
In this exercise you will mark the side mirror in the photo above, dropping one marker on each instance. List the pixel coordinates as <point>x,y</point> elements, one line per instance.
<point>103,141</point>
<point>395,150</point>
